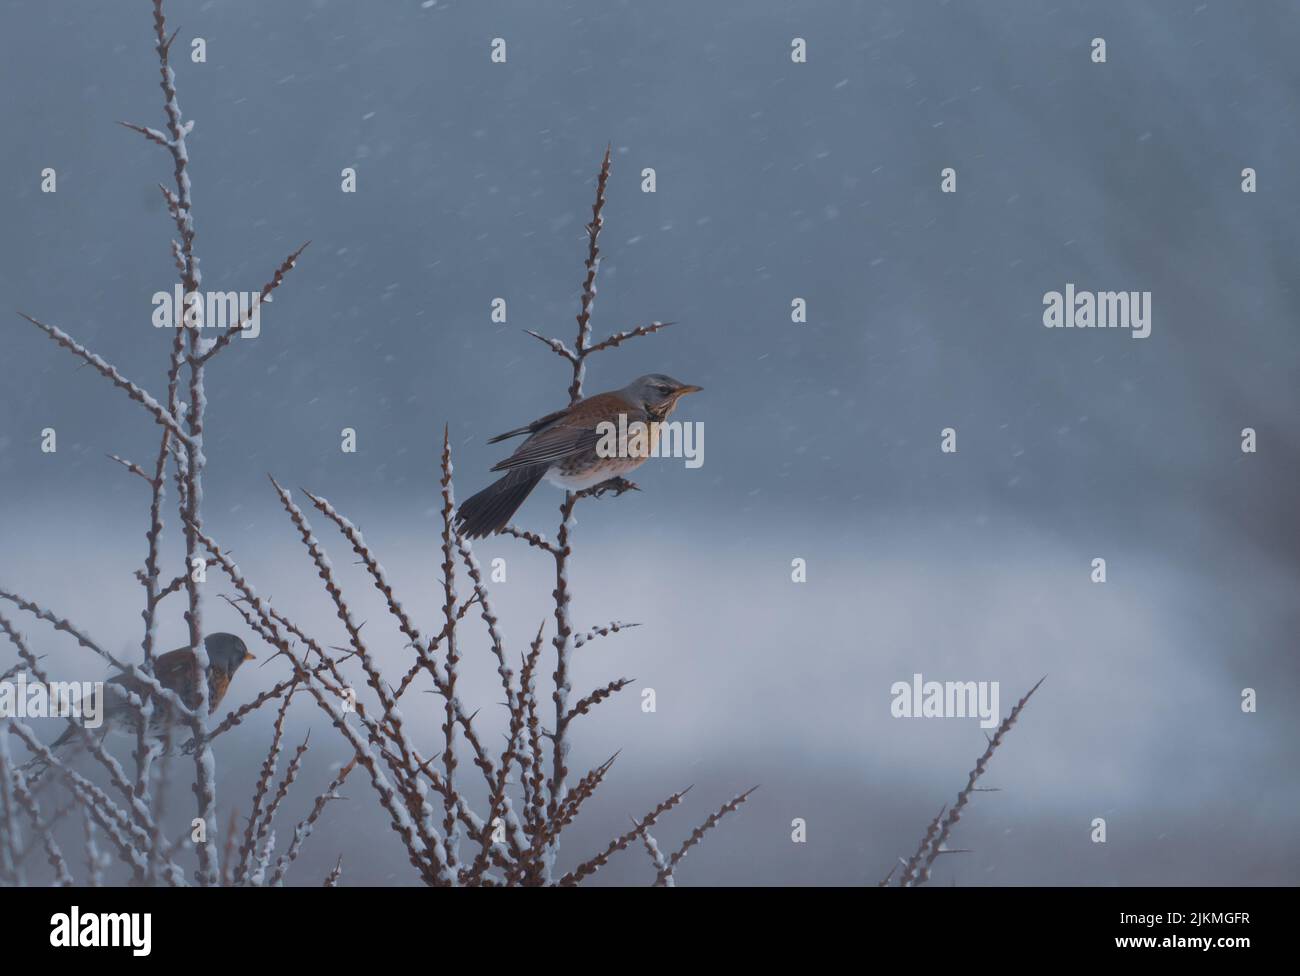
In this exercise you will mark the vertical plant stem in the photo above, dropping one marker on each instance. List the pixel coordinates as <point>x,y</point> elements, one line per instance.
<point>449,824</point>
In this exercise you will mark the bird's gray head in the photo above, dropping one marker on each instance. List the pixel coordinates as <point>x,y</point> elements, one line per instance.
<point>226,652</point>
<point>656,393</point>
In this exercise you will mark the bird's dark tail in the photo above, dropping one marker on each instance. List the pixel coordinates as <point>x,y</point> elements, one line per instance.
<point>490,510</point>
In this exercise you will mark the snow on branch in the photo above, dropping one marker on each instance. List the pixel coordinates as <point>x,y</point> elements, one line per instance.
<point>916,870</point>
<point>113,375</point>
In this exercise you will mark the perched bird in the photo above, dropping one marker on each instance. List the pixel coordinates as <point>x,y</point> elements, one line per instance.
<point>175,672</point>
<point>562,448</point>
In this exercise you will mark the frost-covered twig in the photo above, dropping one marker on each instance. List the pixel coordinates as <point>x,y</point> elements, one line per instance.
<point>253,829</point>
<point>113,375</point>
<point>532,538</point>
<point>10,830</point>
<point>242,323</point>
<point>563,632</point>
<point>532,769</point>
<point>589,281</point>
<point>697,835</point>
<point>595,632</point>
<point>95,859</point>
<point>43,829</point>
<point>583,346</point>
<point>588,702</point>
<point>60,624</point>
<point>657,857</point>
<point>305,827</point>
<point>131,466</point>
<point>918,875</point>
<point>332,879</point>
<point>451,652</point>
<point>620,843</point>
<point>618,338</point>
<point>911,864</point>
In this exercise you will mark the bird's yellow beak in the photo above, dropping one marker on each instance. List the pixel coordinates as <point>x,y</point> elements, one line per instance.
<point>682,391</point>
<point>249,655</point>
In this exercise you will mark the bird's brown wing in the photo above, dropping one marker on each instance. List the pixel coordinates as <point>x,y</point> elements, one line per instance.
<point>532,428</point>
<point>172,670</point>
<point>550,445</point>
<point>175,668</point>
<point>575,431</point>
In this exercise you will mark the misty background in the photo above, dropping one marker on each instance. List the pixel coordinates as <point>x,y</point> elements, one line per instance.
<point>775,180</point>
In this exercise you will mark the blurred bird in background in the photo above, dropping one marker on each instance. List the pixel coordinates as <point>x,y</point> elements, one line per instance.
<point>175,672</point>
<point>562,449</point>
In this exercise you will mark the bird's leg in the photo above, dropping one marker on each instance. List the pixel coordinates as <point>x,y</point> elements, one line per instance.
<point>616,485</point>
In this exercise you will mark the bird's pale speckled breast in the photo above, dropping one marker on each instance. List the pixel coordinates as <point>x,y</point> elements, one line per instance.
<point>586,470</point>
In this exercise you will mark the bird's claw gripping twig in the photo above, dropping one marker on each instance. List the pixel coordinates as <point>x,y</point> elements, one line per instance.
<point>616,485</point>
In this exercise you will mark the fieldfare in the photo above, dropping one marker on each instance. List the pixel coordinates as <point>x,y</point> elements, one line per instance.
<point>562,448</point>
<point>175,672</point>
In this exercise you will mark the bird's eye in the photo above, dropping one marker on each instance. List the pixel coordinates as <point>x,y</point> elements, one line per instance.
<point>665,390</point>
